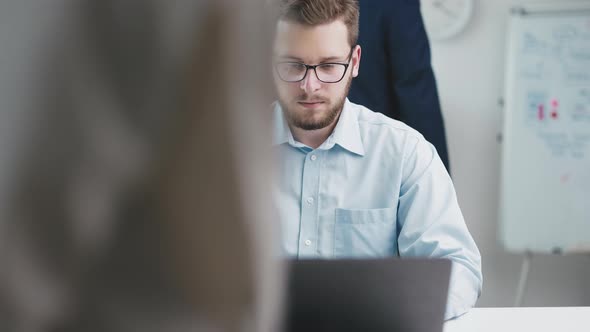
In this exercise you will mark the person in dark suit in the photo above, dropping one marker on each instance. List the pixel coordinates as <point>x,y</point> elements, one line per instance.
<point>397,78</point>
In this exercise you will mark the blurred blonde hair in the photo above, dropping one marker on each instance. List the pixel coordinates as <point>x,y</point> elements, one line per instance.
<point>140,200</point>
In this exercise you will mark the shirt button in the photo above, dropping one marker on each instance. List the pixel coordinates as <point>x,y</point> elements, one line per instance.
<point>308,243</point>
<point>313,157</point>
<point>310,200</point>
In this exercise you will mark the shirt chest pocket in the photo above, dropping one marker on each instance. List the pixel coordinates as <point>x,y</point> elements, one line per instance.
<point>365,233</point>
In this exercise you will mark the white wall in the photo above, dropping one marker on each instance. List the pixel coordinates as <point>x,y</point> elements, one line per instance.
<point>469,70</point>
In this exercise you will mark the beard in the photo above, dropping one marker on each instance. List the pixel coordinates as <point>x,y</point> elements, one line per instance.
<point>309,119</point>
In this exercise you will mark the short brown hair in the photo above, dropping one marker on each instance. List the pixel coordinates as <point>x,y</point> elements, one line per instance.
<point>317,12</point>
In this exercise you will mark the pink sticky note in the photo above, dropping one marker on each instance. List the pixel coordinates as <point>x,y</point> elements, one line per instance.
<point>564,178</point>
<point>541,112</point>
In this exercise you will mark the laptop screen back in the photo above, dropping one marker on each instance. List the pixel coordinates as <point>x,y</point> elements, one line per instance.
<point>378,295</point>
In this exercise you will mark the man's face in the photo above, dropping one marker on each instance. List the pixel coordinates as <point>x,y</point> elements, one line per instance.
<point>312,104</point>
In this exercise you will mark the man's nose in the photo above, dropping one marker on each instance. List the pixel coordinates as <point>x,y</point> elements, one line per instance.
<point>310,83</point>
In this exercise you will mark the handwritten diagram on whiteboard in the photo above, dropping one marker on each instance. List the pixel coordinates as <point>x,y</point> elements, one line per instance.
<point>545,189</point>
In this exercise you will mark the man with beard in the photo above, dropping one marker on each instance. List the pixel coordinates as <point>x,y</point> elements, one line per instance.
<point>352,182</point>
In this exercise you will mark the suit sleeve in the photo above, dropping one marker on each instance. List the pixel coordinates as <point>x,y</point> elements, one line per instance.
<point>414,92</point>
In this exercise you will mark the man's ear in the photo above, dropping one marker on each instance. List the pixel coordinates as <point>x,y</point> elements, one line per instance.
<point>356,60</point>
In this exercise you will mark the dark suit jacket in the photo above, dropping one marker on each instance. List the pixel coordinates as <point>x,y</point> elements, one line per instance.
<point>396,76</point>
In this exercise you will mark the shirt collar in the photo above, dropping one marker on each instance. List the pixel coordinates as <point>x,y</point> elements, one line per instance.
<point>281,133</point>
<point>346,133</point>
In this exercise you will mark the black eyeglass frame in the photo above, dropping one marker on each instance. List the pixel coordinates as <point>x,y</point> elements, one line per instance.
<point>308,67</point>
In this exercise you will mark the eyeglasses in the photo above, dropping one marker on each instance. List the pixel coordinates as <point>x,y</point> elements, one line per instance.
<point>329,72</point>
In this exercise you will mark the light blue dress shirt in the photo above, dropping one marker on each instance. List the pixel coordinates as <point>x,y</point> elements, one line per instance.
<point>374,188</point>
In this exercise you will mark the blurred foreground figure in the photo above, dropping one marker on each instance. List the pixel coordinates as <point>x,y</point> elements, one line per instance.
<point>133,173</point>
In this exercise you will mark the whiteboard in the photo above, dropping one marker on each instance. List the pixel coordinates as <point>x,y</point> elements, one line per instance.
<point>545,174</point>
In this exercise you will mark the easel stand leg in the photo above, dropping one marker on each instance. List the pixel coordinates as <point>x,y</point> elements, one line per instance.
<point>524,276</point>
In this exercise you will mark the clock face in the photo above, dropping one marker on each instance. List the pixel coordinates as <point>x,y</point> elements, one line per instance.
<point>446,18</point>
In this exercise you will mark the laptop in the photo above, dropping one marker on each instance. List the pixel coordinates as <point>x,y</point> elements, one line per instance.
<point>376,295</point>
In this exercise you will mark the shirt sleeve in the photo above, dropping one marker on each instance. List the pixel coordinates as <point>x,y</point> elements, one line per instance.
<point>431,224</point>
